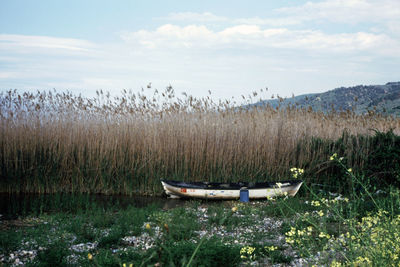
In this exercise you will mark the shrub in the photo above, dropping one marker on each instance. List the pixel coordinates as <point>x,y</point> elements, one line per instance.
<point>383,163</point>
<point>54,255</point>
<point>212,252</point>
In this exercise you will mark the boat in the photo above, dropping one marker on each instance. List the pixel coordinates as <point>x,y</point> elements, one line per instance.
<point>208,190</point>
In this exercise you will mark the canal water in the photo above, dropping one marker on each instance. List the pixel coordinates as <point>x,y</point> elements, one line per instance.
<point>13,206</point>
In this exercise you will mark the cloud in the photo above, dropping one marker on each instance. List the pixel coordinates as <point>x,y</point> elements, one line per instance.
<point>385,12</point>
<point>253,36</point>
<point>345,11</point>
<point>13,41</point>
<point>210,18</point>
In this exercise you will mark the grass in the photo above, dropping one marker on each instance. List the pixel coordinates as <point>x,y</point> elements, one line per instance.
<point>317,228</point>
<point>60,142</point>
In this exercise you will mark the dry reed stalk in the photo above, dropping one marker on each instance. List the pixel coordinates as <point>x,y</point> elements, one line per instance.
<point>61,142</point>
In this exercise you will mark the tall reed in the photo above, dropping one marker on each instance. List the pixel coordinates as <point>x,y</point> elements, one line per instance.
<point>60,142</point>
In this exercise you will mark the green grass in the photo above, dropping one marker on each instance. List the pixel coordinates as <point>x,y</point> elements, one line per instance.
<point>359,229</point>
<point>175,234</point>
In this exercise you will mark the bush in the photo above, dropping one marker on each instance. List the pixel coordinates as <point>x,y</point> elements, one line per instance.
<point>383,163</point>
<point>212,252</point>
<point>9,240</point>
<point>54,255</point>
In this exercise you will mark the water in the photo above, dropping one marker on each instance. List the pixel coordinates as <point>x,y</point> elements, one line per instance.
<point>13,206</point>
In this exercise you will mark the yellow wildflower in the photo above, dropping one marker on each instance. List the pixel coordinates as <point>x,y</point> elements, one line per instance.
<point>296,172</point>
<point>148,226</point>
<point>360,260</point>
<point>250,250</point>
<point>90,256</point>
<point>324,235</point>
<point>271,248</point>
<point>336,264</point>
<point>315,203</point>
<point>289,240</point>
<point>234,209</point>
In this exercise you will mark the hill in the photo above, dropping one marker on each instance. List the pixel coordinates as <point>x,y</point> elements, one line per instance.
<point>361,99</point>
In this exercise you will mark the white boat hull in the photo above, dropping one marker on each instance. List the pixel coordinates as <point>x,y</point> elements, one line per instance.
<point>257,193</point>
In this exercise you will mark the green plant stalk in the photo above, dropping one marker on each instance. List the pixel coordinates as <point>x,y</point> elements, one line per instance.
<point>195,251</point>
<point>358,181</point>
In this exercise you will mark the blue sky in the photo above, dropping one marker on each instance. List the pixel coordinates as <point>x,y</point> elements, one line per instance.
<point>229,47</point>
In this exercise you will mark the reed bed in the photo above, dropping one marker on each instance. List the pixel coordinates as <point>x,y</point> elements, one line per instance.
<point>60,142</point>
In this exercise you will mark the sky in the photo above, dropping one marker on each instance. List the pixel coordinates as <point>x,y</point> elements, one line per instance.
<point>231,48</point>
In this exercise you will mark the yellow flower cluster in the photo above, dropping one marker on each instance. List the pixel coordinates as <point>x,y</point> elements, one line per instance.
<point>298,236</point>
<point>247,252</point>
<point>327,202</point>
<point>324,235</point>
<point>362,261</point>
<point>336,264</point>
<point>376,241</point>
<point>296,172</point>
<point>270,248</point>
<point>333,157</point>
<point>315,203</point>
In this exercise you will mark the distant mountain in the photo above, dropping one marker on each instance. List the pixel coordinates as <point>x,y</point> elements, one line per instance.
<point>361,99</point>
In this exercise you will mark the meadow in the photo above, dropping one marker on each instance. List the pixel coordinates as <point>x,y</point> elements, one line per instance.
<point>315,228</point>
<point>60,142</point>
<point>347,212</point>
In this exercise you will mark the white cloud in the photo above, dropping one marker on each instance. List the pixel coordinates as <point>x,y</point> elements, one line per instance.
<point>345,11</point>
<point>208,17</point>
<point>337,11</point>
<point>254,36</point>
<point>241,30</point>
<point>12,41</point>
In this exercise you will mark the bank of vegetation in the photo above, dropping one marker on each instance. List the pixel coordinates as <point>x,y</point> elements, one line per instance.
<point>60,142</point>
<point>321,229</point>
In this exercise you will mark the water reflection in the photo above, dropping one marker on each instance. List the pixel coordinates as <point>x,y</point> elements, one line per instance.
<point>13,206</point>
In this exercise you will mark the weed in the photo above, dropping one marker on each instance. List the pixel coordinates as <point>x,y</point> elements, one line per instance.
<point>183,224</point>
<point>112,238</point>
<point>212,252</point>
<point>54,255</point>
<point>383,162</point>
<point>10,240</point>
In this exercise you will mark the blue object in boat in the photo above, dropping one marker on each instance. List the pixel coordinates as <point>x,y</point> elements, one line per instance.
<point>244,195</point>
